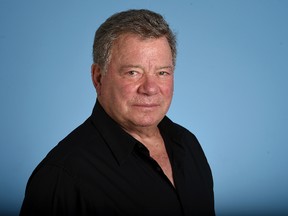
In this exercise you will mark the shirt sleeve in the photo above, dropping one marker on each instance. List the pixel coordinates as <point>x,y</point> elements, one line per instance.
<point>51,191</point>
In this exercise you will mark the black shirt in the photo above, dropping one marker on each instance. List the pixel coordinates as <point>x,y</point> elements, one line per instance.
<point>99,169</point>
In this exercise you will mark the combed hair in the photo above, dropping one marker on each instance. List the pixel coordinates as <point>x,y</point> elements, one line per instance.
<point>145,23</point>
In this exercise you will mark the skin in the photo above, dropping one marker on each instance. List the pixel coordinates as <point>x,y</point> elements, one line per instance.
<point>137,89</point>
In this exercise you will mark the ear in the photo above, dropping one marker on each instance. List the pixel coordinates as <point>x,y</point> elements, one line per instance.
<point>96,77</point>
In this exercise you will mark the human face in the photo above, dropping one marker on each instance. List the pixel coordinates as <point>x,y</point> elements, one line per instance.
<point>137,88</point>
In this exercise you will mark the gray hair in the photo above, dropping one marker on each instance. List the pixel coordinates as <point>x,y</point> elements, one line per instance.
<point>145,23</point>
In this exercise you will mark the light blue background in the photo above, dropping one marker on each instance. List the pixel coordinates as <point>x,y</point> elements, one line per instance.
<point>231,86</point>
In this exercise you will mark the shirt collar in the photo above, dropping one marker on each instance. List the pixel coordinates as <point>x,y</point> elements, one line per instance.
<point>121,143</point>
<point>171,130</point>
<point>173,135</point>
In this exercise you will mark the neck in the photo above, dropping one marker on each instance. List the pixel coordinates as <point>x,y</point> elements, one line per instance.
<point>143,133</point>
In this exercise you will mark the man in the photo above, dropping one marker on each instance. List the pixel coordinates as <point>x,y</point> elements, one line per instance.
<point>127,158</point>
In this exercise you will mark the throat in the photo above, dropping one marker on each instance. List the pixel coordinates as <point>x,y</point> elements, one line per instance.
<point>156,146</point>
<point>163,160</point>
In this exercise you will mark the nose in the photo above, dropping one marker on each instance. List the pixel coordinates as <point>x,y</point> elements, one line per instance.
<point>149,85</point>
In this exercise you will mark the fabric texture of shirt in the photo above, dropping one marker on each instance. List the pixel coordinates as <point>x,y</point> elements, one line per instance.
<point>99,169</point>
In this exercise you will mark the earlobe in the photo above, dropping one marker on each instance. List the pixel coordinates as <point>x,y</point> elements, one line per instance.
<point>96,77</point>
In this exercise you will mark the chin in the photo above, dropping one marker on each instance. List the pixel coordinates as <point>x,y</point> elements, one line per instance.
<point>147,122</point>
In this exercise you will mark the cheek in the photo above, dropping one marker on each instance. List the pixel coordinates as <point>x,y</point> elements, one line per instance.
<point>168,89</point>
<point>127,89</point>
<point>122,92</point>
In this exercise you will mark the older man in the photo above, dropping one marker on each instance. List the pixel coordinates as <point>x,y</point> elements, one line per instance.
<point>127,158</point>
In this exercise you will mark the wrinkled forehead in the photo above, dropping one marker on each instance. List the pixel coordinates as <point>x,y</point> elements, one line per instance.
<point>131,47</point>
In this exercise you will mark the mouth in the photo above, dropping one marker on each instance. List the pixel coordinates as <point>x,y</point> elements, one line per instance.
<point>146,106</point>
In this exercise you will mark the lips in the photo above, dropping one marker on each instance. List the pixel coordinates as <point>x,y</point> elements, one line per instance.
<point>146,106</point>
<point>146,103</point>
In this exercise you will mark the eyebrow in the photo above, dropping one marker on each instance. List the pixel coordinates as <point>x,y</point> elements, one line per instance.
<point>166,67</point>
<point>130,66</point>
<point>139,66</point>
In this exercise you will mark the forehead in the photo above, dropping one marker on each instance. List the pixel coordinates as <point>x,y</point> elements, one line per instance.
<point>132,45</point>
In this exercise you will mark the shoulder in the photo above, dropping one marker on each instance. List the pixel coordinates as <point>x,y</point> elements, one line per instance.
<point>72,153</point>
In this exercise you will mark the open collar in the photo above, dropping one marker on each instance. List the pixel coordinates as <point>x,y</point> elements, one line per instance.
<point>122,144</point>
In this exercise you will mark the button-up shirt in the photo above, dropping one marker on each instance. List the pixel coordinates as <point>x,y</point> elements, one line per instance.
<point>99,169</point>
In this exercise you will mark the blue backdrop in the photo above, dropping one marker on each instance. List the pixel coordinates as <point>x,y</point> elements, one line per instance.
<point>231,86</point>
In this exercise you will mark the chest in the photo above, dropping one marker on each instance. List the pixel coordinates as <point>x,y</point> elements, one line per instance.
<point>163,161</point>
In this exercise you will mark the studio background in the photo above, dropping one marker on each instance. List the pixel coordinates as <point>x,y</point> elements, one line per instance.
<point>231,85</point>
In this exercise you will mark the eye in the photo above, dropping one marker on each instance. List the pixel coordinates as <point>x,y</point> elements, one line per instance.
<point>132,73</point>
<point>163,73</point>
